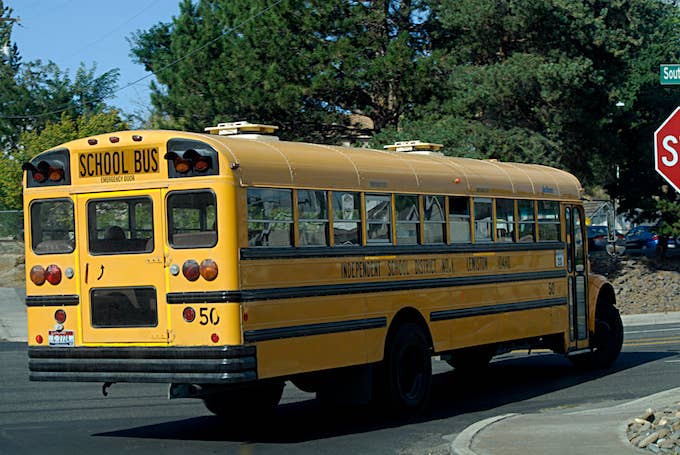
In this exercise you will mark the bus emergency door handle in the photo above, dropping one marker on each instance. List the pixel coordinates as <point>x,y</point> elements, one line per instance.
<point>101,273</point>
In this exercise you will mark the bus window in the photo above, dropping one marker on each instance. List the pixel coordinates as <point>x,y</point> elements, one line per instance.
<point>548,220</point>
<point>52,226</point>
<point>435,222</point>
<point>270,217</point>
<point>346,218</point>
<point>483,220</point>
<point>120,225</point>
<point>191,219</point>
<point>505,220</point>
<point>527,229</point>
<point>408,219</point>
<point>378,218</point>
<point>459,219</point>
<point>312,217</point>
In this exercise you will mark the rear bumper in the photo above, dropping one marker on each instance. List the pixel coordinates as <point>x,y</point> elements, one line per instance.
<point>199,365</point>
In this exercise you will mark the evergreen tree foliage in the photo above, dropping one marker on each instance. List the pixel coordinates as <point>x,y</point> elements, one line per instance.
<point>33,142</point>
<point>302,64</point>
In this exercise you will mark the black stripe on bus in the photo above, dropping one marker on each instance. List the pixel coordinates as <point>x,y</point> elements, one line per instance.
<point>251,336</point>
<point>495,309</point>
<point>52,300</point>
<point>379,250</point>
<point>250,295</point>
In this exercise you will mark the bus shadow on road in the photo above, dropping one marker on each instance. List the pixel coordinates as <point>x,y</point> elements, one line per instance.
<point>508,380</point>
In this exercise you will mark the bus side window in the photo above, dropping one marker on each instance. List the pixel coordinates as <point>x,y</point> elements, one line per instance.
<point>505,220</point>
<point>379,218</point>
<point>527,227</point>
<point>346,219</point>
<point>270,217</point>
<point>459,219</point>
<point>483,220</point>
<point>548,220</point>
<point>435,221</point>
<point>312,217</point>
<point>408,219</point>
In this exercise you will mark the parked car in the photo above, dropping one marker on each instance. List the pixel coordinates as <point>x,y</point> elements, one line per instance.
<point>645,240</point>
<point>598,238</point>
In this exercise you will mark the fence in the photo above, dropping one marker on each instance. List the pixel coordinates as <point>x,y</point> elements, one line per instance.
<point>12,225</point>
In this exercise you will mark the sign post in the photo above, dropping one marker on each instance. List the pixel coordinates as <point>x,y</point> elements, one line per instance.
<point>667,149</point>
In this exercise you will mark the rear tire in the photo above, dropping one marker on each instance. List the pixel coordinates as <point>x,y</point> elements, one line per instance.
<point>407,370</point>
<point>606,341</point>
<point>253,400</point>
<point>471,360</point>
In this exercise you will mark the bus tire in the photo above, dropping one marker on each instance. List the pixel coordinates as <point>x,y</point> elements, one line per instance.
<point>471,360</point>
<point>408,370</point>
<point>606,342</point>
<point>255,400</point>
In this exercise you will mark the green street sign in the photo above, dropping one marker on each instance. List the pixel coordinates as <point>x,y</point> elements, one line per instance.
<point>669,74</point>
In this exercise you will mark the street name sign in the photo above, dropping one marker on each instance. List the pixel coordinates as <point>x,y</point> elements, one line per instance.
<point>669,74</point>
<point>667,149</point>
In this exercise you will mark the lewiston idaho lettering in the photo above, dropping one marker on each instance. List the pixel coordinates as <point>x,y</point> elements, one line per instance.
<point>118,165</point>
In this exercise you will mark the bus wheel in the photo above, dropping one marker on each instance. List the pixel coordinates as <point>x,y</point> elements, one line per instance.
<point>257,400</point>
<point>606,341</point>
<point>471,360</point>
<point>408,367</point>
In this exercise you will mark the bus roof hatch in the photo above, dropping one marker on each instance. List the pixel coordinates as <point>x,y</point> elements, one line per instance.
<point>245,130</point>
<point>418,147</point>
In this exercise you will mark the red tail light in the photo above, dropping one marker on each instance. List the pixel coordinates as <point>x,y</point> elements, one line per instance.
<point>60,316</point>
<point>208,269</point>
<point>191,270</point>
<point>189,314</point>
<point>53,274</point>
<point>37,275</point>
<point>655,237</point>
<point>39,339</point>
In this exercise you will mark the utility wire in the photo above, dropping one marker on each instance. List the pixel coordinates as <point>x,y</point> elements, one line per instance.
<point>66,107</point>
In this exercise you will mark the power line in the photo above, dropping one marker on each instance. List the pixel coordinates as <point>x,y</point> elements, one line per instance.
<point>68,106</point>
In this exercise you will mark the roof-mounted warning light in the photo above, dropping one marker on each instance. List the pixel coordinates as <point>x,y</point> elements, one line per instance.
<point>425,148</point>
<point>245,130</point>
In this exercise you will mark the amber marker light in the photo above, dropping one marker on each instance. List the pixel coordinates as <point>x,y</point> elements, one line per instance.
<point>56,174</point>
<point>37,275</point>
<point>53,274</point>
<point>208,269</point>
<point>191,270</point>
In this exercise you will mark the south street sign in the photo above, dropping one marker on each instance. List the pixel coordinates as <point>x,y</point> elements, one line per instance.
<point>669,74</point>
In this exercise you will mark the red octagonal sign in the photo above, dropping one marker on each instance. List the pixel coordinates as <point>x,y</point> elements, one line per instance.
<point>667,149</point>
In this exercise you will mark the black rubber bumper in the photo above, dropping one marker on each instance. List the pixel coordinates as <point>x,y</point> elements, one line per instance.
<point>197,365</point>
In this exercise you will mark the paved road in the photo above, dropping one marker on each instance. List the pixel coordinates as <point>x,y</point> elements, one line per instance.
<point>69,418</point>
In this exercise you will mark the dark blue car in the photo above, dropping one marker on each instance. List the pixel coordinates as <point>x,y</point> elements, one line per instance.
<point>645,240</point>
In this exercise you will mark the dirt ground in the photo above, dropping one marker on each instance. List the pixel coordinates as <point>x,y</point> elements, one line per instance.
<point>642,285</point>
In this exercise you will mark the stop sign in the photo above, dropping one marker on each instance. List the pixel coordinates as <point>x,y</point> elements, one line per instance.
<point>667,149</point>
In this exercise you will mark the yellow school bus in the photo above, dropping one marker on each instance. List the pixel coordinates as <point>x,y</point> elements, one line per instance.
<point>230,262</point>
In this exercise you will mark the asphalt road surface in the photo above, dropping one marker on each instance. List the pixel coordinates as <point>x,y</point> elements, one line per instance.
<point>75,418</point>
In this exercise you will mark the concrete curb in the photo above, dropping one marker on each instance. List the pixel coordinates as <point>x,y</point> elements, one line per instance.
<point>462,444</point>
<point>651,318</point>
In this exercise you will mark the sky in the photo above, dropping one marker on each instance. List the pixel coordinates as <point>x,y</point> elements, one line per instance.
<point>69,32</point>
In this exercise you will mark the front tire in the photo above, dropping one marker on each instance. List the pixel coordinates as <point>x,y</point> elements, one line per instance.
<point>606,342</point>
<point>408,370</point>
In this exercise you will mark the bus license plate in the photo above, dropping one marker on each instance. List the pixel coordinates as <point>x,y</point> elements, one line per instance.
<point>63,338</point>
